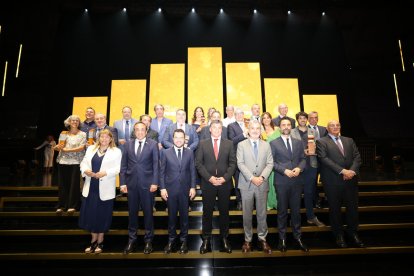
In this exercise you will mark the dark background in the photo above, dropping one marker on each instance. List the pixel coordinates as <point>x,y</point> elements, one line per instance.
<point>352,52</point>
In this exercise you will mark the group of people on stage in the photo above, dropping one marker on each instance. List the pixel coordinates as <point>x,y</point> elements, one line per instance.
<point>270,161</point>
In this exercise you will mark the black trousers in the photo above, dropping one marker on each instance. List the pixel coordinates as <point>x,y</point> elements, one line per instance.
<point>209,198</point>
<point>177,203</point>
<point>345,194</point>
<point>69,186</point>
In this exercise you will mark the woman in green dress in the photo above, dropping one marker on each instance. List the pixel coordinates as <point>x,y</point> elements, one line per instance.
<point>270,132</point>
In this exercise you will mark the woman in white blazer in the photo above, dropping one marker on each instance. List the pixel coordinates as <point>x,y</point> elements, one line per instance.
<point>100,166</point>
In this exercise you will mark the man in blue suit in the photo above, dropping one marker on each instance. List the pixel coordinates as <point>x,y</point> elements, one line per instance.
<point>191,137</point>
<point>160,124</point>
<point>289,161</point>
<point>125,126</point>
<point>177,184</point>
<point>139,178</point>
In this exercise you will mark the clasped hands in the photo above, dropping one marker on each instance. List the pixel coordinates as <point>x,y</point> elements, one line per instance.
<point>164,194</point>
<point>347,174</point>
<point>217,181</point>
<point>95,175</point>
<point>292,173</point>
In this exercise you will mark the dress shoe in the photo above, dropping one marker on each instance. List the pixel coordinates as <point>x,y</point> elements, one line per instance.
<point>148,248</point>
<point>357,241</point>
<point>300,245</point>
<point>91,247</point>
<point>226,247</point>
<point>264,246</point>
<point>59,211</point>
<point>247,247</point>
<point>340,241</point>
<point>99,248</point>
<point>189,209</point>
<point>205,246</point>
<point>282,246</point>
<point>169,248</point>
<point>129,248</point>
<point>316,221</point>
<point>71,211</point>
<point>239,206</point>
<point>183,248</point>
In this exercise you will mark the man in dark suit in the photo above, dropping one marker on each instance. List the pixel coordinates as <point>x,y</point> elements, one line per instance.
<point>237,132</point>
<point>177,184</point>
<point>151,134</point>
<point>139,178</point>
<point>216,163</point>
<point>205,132</point>
<point>191,137</point>
<point>289,160</point>
<point>340,162</point>
<point>283,110</point>
<point>100,120</point>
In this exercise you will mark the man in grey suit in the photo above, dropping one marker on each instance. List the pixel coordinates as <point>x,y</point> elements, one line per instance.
<point>289,160</point>
<point>125,126</point>
<point>255,162</point>
<point>340,162</point>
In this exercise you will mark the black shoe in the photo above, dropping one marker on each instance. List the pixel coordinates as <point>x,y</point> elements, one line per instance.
<point>300,245</point>
<point>357,241</point>
<point>169,248</point>
<point>183,248</point>
<point>129,248</point>
<point>340,241</point>
<point>148,248</point>
<point>226,247</point>
<point>205,246</point>
<point>282,246</point>
<point>91,248</point>
<point>239,206</point>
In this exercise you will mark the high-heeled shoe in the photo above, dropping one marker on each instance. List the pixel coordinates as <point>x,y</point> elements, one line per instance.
<point>91,248</point>
<point>99,248</point>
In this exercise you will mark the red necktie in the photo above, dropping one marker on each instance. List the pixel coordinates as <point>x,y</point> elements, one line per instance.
<point>215,148</point>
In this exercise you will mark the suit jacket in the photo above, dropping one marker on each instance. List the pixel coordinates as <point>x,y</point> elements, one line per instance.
<point>167,140</point>
<point>249,166</point>
<point>276,121</point>
<point>282,160</point>
<point>119,125</point>
<point>111,164</point>
<point>205,133</point>
<point>143,171</point>
<point>111,129</point>
<point>165,123</point>
<point>207,165</point>
<point>332,160</point>
<point>177,177</point>
<point>235,133</point>
<point>322,131</point>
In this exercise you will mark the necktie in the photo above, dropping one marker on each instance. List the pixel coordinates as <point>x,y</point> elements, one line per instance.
<point>289,148</point>
<point>256,152</point>
<point>97,132</point>
<point>316,132</point>
<point>179,155</point>
<point>215,148</point>
<point>126,131</point>
<point>341,149</point>
<point>139,149</point>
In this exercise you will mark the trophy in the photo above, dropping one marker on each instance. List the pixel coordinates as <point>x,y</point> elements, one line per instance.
<point>311,150</point>
<point>62,138</point>
<point>246,122</point>
<point>91,140</point>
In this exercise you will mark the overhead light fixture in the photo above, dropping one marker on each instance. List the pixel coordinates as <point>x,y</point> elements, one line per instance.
<point>159,10</point>
<point>221,11</point>
<point>323,13</point>
<point>86,10</point>
<point>254,11</point>
<point>192,10</point>
<point>289,12</point>
<point>124,9</point>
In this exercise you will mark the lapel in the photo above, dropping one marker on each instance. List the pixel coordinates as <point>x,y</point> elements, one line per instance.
<point>211,149</point>
<point>333,144</point>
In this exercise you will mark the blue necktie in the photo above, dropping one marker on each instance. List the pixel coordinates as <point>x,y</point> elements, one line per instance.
<point>255,149</point>
<point>289,148</point>
<point>126,131</point>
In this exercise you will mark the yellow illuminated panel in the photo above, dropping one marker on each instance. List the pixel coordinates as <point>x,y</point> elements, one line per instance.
<point>325,105</point>
<point>127,92</point>
<point>80,104</point>
<point>279,91</point>
<point>205,79</point>
<point>167,88</point>
<point>243,85</point>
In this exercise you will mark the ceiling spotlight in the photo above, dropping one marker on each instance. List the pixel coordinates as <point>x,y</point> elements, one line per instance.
<point>323,13</point>
<point>124,9</point>
<point>86,10</point>
<point>192,10</point>
<point>254,11</point>
<point>221,11</point>
<point>289,12</point>
<point>159,10</point>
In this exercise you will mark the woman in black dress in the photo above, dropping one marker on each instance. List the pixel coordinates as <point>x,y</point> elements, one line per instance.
<point>100,167</point>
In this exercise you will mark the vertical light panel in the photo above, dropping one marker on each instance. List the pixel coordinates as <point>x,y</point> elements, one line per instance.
<point>325,105</point>
<point>279,91</point>
<point>127,92</point>
<point>243,85</point>
<point>205,78</point>
<point>167,88</point>
<point>80,104</point>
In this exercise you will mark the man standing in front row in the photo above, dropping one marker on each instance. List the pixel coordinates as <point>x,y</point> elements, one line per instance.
<point>139,178</point>
<point>255,162</point>
<point>216,163</point>
<point>177,184</point>
<point>289,160</point>
<point>340,162</point>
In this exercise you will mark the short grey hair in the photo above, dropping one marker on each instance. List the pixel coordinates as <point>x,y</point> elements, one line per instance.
<point>254,122</point>
<point>71,118</point>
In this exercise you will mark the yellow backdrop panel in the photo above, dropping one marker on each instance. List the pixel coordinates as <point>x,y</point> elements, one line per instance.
<point>127,92</point>
<point>325,105</point>
<point>279,91</point>
<point>80,104</point>
<point>205,79</point>
<point>243,85</point>
<point>167,88</point>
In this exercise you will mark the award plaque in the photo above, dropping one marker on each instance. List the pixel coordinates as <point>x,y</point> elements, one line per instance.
<point>311,145</point>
